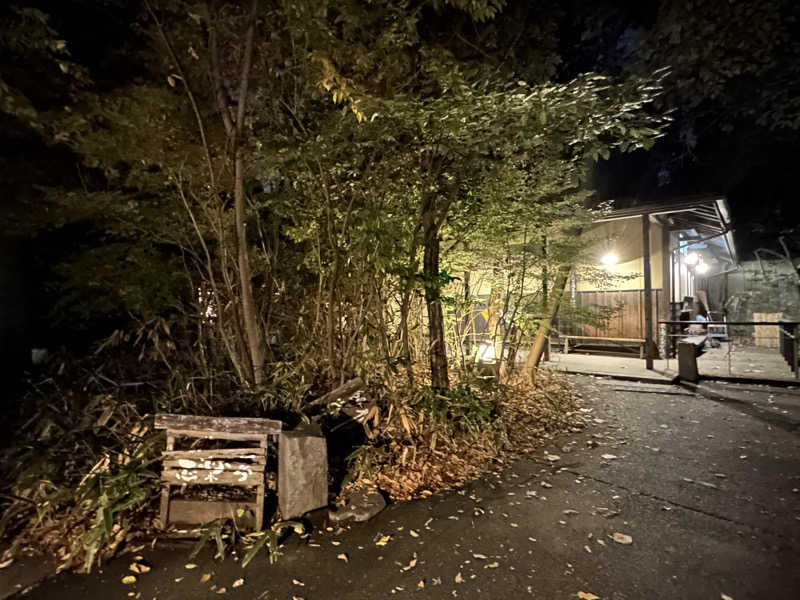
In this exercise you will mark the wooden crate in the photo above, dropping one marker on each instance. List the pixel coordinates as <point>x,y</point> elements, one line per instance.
<point>241,466</point>
<point>767,336</point>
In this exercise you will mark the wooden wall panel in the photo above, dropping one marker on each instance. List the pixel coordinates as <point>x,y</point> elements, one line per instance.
<point>628,322</point>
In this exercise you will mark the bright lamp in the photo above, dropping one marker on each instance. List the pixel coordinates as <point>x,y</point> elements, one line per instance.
<point>609,259</point>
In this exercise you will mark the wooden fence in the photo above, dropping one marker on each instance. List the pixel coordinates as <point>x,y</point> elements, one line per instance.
<point>627,320</point>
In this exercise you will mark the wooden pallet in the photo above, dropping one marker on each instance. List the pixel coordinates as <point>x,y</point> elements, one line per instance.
<point>241,466</point>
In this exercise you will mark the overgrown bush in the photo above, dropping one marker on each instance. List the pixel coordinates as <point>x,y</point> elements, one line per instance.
<point>77,480</point>
<point>466,408</point>
<point>426,442</point>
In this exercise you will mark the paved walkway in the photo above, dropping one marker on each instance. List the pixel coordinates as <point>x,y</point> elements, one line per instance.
<point>611,366</point>
<point>745,362</point>
<point>742,363</point>
<point>708,491</point>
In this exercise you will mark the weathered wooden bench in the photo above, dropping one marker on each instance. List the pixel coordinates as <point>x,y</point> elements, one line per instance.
<point>612,340</point>
<point>689,348</point>
<point>241,466</point>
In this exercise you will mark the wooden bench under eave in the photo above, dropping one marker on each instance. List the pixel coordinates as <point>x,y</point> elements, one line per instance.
<point>242,467</point>
<point>615,341</point>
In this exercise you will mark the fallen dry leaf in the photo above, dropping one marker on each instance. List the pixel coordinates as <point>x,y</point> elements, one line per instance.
<point>297,582</point>
<point>221,590</point>
<point>238,582</point>
<point>384,540</point>
<point>411,564</point>
<point>493,565</point>
<point>459,578</point>
<point>6,563</point>
<point>190,566</point>
<point>138,567</point>
<point>413,533</point>
<point>129,579</point>
<point>587,596</point>
<point>622,538</point>
<point>343,557</point>
<point>178,579</point>
<point>421,584</point>
<point>725,597</point>
<point>205,577</point>
<point>608,456</point>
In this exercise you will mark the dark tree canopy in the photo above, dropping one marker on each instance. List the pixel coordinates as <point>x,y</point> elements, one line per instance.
<point>734,96</point>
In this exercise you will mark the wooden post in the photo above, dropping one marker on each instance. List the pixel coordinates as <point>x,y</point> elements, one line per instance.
<point>165,488</point>
<point>666,287</point>
<point>666,280</point>
<point>260,491</point>
<point>648,294</point>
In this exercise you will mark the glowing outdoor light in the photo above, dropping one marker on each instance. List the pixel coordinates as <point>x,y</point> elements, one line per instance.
<point>609,259</point>
<point>486,351</point>
<point>692,258</point>
<point>701,268</point>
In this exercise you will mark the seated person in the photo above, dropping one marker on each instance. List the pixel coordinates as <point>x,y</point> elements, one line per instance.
<point>699,327</point>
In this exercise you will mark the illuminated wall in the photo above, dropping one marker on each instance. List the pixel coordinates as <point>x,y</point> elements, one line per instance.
<point>624,239</point>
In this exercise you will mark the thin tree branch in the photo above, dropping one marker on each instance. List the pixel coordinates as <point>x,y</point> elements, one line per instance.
<point>185,82</point>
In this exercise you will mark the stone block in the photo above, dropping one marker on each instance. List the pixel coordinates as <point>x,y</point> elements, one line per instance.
<point>687,362</point>
<point>302,473</point>
<point>360,507</point>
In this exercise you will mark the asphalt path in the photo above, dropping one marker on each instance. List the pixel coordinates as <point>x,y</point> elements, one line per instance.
<point>664,494</point>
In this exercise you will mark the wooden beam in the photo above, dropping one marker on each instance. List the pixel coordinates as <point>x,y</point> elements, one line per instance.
<point>209,426</point>
<point>213,465</point>
<point>666,279</point>
<point>202,477</point>
<point>648,294</point>
<point>347,389</point>
<point>666,208</point>
<point>252,454</point>
<point>220,435</point>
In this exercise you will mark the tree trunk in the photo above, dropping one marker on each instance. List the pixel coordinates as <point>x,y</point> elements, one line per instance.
<point>249,315</point>
<point>493,314</point>
<point>545,292</point>
<point>546,323</point>
<point>465,321</point>
<point>433,301</point>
